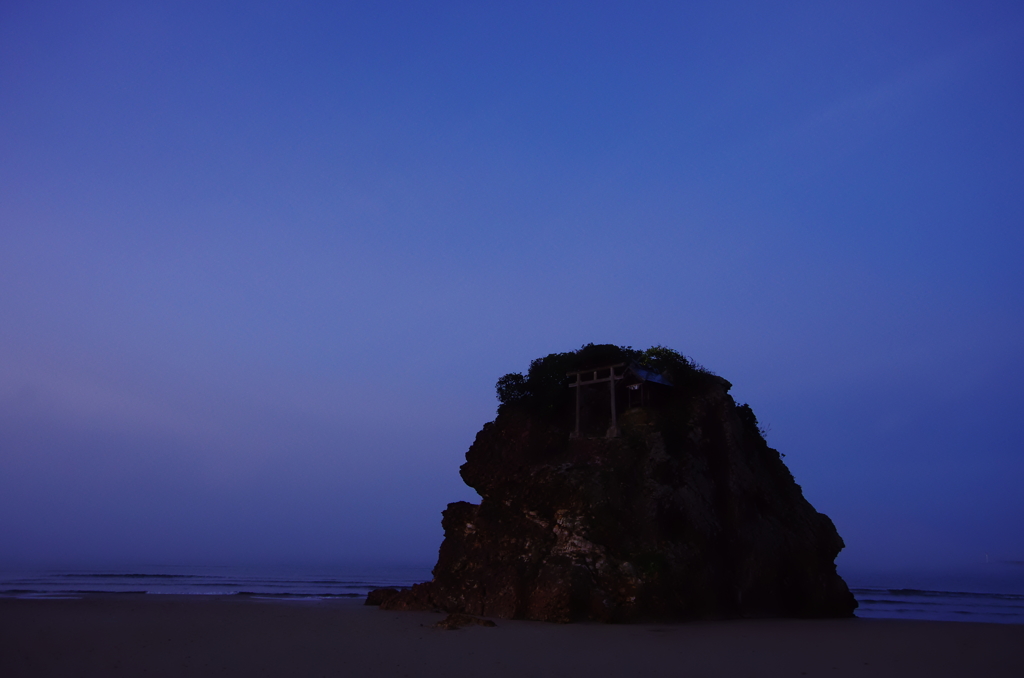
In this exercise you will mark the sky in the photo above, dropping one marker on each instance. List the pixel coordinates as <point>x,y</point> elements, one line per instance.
<point>262,263</point>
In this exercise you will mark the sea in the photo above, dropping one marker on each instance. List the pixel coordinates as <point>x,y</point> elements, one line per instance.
<point>269,583</point>
<point>940,597</point>
<point>992,593</point>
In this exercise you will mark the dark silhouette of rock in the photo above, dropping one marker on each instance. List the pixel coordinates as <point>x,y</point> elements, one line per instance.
<point>379,596</point>
<point>685,513</point>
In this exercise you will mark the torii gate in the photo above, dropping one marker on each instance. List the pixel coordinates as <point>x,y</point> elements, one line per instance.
<point>581,381</point>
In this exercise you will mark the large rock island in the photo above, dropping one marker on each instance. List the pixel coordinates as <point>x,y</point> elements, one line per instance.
<point>619,484</point>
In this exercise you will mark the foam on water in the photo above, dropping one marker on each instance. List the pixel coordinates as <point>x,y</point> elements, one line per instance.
<point>1000,608</point>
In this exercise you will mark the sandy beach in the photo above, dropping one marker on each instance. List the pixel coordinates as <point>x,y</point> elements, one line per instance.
<point>136,635</point>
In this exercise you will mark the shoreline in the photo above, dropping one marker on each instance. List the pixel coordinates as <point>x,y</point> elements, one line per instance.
<point>173,635</point>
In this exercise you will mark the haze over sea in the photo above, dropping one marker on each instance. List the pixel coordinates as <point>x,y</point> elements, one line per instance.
<point>261,265</point>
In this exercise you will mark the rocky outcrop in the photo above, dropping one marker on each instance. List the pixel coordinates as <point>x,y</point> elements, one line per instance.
<point>687,513</point>
<point>380,596</point>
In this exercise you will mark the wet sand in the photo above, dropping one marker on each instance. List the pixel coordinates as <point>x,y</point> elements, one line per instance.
<point>147,635</point>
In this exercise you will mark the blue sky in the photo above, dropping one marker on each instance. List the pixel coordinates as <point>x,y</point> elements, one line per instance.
<point>262,263</point>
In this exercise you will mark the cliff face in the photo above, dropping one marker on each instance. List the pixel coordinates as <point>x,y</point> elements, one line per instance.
<point>686,514</point>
